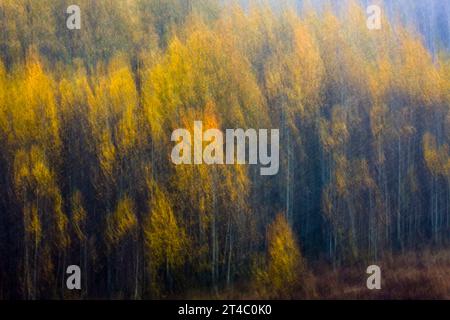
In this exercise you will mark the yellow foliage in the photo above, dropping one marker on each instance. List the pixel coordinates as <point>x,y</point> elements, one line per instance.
<point>79,215</point>
<point>285,263</point>
<point>123,103</point>
<point>107,154</point>
<point>33,109</point>
<point>122,222</point>
<point>35,183</point>
<point>164,238</point>
<point>436,157</point>
<point>3,99</point>
<point>204,68</point>
<point>353,106</point>
<point>362,178</point>
<point>417,75</point>
<point>341,172</point>
<point>33,223</point>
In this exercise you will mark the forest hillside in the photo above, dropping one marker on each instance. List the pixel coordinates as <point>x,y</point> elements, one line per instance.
<point>86,118</point>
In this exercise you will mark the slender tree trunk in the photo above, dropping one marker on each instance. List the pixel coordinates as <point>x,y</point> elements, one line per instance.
<point>230,250</point>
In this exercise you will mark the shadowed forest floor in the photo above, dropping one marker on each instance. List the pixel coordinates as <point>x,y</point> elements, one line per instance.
<point>411,276</point>
<point>421,275</point>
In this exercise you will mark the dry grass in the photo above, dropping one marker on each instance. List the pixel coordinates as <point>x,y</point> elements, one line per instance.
<point>418,276</point>
<point>423,275</point>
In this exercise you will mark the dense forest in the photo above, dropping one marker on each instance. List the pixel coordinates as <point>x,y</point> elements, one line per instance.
<point>86,118</point>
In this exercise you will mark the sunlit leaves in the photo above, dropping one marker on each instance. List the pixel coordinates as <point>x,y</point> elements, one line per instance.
<point>122,222</point>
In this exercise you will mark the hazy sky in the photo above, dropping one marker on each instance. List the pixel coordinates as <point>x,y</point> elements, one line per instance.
<point>430,17</point>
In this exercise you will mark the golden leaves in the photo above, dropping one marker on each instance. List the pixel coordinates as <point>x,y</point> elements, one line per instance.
<point>164,238</point>
<point>122,222</point>
<point>32,109</point>
<point>436,157</point>
<point>35,185</point>
<point>202,69</point>
<point>107,154</point>
<point>417,75</point>
<point>285,265</point>
<point>79,215</point>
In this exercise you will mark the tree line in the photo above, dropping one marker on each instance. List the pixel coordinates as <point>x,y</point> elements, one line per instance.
<point>85,123</point>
